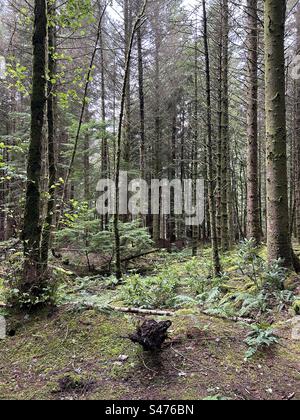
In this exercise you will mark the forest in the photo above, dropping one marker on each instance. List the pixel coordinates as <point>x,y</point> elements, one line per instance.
<point>150,201</point>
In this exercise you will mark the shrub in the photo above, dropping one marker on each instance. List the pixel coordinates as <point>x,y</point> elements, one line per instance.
<point>150,292</point>
<point>82,229</point>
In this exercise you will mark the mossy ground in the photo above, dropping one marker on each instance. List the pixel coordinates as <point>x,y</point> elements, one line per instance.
<point>204,357</point>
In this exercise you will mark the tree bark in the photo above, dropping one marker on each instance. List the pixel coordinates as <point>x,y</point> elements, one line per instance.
<point>279,241</point>
<point>209,147</point>
<point>224,130</point>
<point>253,224</point>
<point>297,136</point>
<point>32,221</point>
<point>51,121</point>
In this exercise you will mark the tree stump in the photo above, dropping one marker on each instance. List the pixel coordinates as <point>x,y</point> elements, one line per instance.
<point>151,334</point>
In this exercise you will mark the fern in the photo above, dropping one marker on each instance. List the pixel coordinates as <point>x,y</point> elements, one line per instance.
<point>260,338</point>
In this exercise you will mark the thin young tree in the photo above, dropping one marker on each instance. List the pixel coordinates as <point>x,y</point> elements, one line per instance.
<point>137,24</point>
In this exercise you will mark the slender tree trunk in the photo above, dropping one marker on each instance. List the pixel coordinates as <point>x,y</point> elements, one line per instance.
<point>51,121</point>
<point>138,22</point>
<point>225,129</point>
<point>297,137</point>
<point>210,172</point>
<point>195,229</point>
<point>142,103</point>
<point>253,225</point>
<point>32,218</point>
<point>157,123</point>
<point>86,161</point>
<point>104,143</point>
<point>279,241</point>
<point>128,111</point>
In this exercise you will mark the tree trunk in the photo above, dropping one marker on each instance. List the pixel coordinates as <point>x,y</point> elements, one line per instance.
<point>224,130</point>
<point>32,220</point>
<point>142,103</point>
<point>119,144</point>
<point>297,137</point>
<point>51,121</point>
<point>210,172</point>
<point>279,242</point>
<point>253,225</point>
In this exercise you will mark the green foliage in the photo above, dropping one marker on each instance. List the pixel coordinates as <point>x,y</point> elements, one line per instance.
<point>46,295</point>
<point>260,338</point>
<point>274,275</point>
<point>18,76</point>
<point>151,292</point>
<point>249,262</point>
<point>264,275</point>
<point>82,229</point>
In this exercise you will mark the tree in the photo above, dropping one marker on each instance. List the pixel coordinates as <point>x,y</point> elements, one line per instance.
<point>209,147</point>
<point>225,190</point>
<point>297,135</point>
<point>51,122</point>
<point>279,241</point>
<point>253,225</point>
<point>32,276</point>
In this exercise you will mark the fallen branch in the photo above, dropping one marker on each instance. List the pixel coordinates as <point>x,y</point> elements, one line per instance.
<point>143,254</point>
<point>226,318</point>
<point>141,311</point>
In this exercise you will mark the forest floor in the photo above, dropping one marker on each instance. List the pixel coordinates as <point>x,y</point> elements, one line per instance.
<point>72,352</point>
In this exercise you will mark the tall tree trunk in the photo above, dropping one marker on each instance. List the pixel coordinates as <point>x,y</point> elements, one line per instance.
<point>127,114</point>
<point>137,23</point>
<point>86,160</point>
<point>142,102</point>
<point>51,121</point>
<point>279,242</point>
<point>225,129</point>
<point>210,171</point>
<point>253,224</point>
<point>32,221</point>
<point>104,143</point>
<point>297,137</point>
<point>157,123</point>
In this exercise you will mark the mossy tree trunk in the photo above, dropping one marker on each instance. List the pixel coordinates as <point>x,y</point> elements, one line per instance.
<point>279,241</point>
<point>32,218</point>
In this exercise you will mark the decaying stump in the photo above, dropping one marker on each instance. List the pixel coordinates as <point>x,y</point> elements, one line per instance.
<point>151,334</point>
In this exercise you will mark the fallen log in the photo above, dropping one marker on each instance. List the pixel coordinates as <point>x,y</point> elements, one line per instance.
<point>143,254</point>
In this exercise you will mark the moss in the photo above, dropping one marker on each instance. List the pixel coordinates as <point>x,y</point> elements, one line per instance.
<point>296,307</point>
<point>292,282</point>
